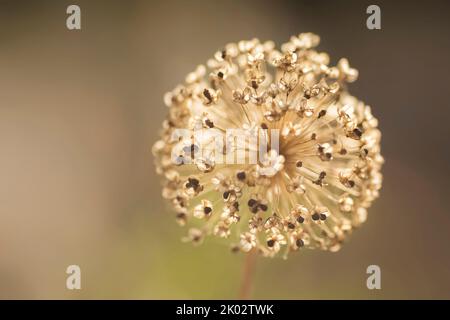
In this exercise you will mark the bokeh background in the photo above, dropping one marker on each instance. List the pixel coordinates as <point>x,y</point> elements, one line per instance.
<point>79,111</point>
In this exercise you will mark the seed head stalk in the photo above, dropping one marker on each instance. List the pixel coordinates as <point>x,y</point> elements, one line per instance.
<point>248,273</point>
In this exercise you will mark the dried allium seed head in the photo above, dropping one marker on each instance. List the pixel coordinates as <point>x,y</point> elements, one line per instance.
<point>313,190</point>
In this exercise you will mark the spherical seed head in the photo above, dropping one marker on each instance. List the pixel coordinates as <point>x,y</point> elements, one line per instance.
<point>311,191</point>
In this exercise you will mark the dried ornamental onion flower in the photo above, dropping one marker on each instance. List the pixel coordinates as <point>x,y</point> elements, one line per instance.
<point>309,193</point>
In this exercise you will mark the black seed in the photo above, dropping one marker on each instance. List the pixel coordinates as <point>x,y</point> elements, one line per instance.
<point>315,216</point>
<point>291,225</point>
<point>300,219</point>
<point>224,54</point>
<point>299,164</point>
<point>209,123</point>
<point>323,216</point>
<point>236,205</point>
<point>313,136</point>
<point>351,183</point>
<point>234,249</point>
<point>181,215</point>
<point>322,175</point>
<point>254,209</point>
<point>226,194</point>
<point>263,207</point>
<point>251,202</point>
<point>322,113</point>
<point>241,175</point>
<point>264,126</point>
<point>270,243</point>
<point>193,183</point>
<point>220,74</point>
<point>343,151</point>
<point>207,210</point>
<point>357,132</point>
<point>299,243</point>
<point>207,94</point>
<point>254,85</point>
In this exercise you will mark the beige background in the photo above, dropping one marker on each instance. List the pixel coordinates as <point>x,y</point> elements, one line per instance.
<point>80,110</point>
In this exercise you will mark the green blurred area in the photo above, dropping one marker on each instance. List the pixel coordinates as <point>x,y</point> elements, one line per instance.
<point>79,111</point>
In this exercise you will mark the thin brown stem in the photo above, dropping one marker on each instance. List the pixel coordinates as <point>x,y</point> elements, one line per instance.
<point>247,275</point>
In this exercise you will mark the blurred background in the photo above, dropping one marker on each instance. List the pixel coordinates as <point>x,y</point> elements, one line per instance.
<point>79,111</point>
